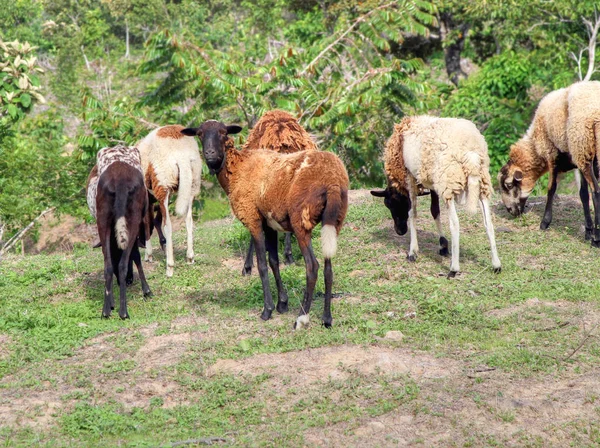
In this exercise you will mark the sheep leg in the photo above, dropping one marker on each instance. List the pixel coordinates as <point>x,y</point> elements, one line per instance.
<point>158,223</point>
<point>327,319</point>
<point>287,249</point>
<point>123,266</point>
<point>150,223</point>
<point>435,213</point>
<point>189,227</point>
<point>164,208</point>
<point>109,299</point>
<point>247,269</point>
<point>591,179</point>
<point>412,224</point>
<point>263,271</point>
<point>312,270</point>
<point>489,229</point>
<point>137,259</point>
<point>584,195</point>
<point>455,235</point>
<point>271,241</point>
<point>552,184</point>
<point>129,276</point>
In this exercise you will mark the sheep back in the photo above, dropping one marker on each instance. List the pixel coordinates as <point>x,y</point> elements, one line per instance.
<point>279,131</point>
<point>583,122</point>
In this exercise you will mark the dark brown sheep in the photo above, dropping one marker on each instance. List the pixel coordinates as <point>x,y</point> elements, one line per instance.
<point>119,207</point>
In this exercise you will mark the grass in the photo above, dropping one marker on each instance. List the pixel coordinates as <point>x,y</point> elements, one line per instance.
<point>71,378</point>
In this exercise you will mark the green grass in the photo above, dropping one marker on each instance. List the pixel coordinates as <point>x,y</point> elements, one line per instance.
<point>147,381</point>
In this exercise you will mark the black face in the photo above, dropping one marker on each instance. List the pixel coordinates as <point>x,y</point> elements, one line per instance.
<point>213,135</point>
<point>399,205</point>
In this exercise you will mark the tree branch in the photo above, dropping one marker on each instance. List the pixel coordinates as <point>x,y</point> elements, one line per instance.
<point>350,28</point>
<point>21,233</point>
<point>593,33</point>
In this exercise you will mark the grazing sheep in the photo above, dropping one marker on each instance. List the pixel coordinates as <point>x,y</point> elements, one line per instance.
<point>117,198</point>
<point>271,192</point>
<point>171,163</point>
<point>278,131</point>
<point>449,157</point>
<point>564,134</point>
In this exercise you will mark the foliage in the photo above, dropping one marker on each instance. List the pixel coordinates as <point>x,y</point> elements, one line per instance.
<point>497,99</point>
<point>19,83</point>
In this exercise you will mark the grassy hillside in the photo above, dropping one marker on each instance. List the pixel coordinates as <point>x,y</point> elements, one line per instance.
<point>481,360</point>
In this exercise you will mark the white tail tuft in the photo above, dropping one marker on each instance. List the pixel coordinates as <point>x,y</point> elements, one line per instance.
<point>121,233</point>
<point>184,191</point>
<point>328,241</point>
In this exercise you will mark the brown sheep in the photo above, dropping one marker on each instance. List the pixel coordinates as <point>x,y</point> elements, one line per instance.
<point>564,134</point>
<point>271,192</point>
<point>278,131</point>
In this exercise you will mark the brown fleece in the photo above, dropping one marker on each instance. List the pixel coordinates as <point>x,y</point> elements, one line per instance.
<point>279,131</point>
<point>395,169</point>
<point>284,190</point>
<point>173,131</point>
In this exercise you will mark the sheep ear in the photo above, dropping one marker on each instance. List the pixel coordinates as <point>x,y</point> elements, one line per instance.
<point>190,132</point>
<point>379,193</point>
<point>234,129</point>
<point>518,175</point>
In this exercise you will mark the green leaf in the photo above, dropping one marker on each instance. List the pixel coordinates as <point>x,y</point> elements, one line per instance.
<point>25,100</point>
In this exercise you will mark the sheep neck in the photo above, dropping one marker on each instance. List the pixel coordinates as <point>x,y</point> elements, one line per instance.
<point>225,174</point>
<point>532,164</point>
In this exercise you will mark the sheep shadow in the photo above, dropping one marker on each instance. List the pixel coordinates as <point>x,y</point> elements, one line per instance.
<point>567,215</point>
<point>428,246</point>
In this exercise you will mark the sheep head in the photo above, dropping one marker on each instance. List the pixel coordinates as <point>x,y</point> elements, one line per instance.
<point>213,135</point>
<point>514,195</point>
<point>399,205</point>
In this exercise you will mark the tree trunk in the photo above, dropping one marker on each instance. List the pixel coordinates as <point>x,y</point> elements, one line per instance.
<point>126,39</point>
<point>453,37</point>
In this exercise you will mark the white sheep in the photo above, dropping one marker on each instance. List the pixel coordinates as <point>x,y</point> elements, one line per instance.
<point>171,163</point>
<point>449,157</point>
<point>564,134</point>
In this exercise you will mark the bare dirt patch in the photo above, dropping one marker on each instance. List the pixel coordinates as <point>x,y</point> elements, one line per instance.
<point>454,412</point>
<point>5,341</point>
<point>309,366</point>
<point>359,196</point>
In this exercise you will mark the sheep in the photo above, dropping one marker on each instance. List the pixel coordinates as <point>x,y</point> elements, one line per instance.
<point>449,157</point>
<point>278,131</point>
<point>564,134</point>
<point>271,192</point>
<point>117,198</point>
<point>171,163</point>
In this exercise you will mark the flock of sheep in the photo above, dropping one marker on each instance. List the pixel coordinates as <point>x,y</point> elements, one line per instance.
<point>281,182</point>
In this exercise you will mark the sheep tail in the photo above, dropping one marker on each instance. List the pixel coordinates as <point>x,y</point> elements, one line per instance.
<point>184,191</point>
<point>333,215</point>
<point>472,168</point>
<point>121,232</point>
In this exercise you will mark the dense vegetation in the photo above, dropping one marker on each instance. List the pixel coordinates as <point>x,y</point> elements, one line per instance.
<point>109,71</point>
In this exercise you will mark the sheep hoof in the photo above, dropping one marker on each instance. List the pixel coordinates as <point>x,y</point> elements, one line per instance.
<point>148,293</point>
<point>190,260</point>
<point>411,258</point>
<point>544,225</point>
<point>149,259</point>
<point>282,307</point>
<point>443,251</point>
<point>129,280</point>
<point>266,314</point>
<point>169,271</point>
<point>595,243</point>
<point>497,270</point>
<point>105,315</point>
<point>588,234</point>
<point>327,322</point>
<point>452,274</point>
<point>289,259</point>
<point>246,270</point>
<point>124,316</point>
